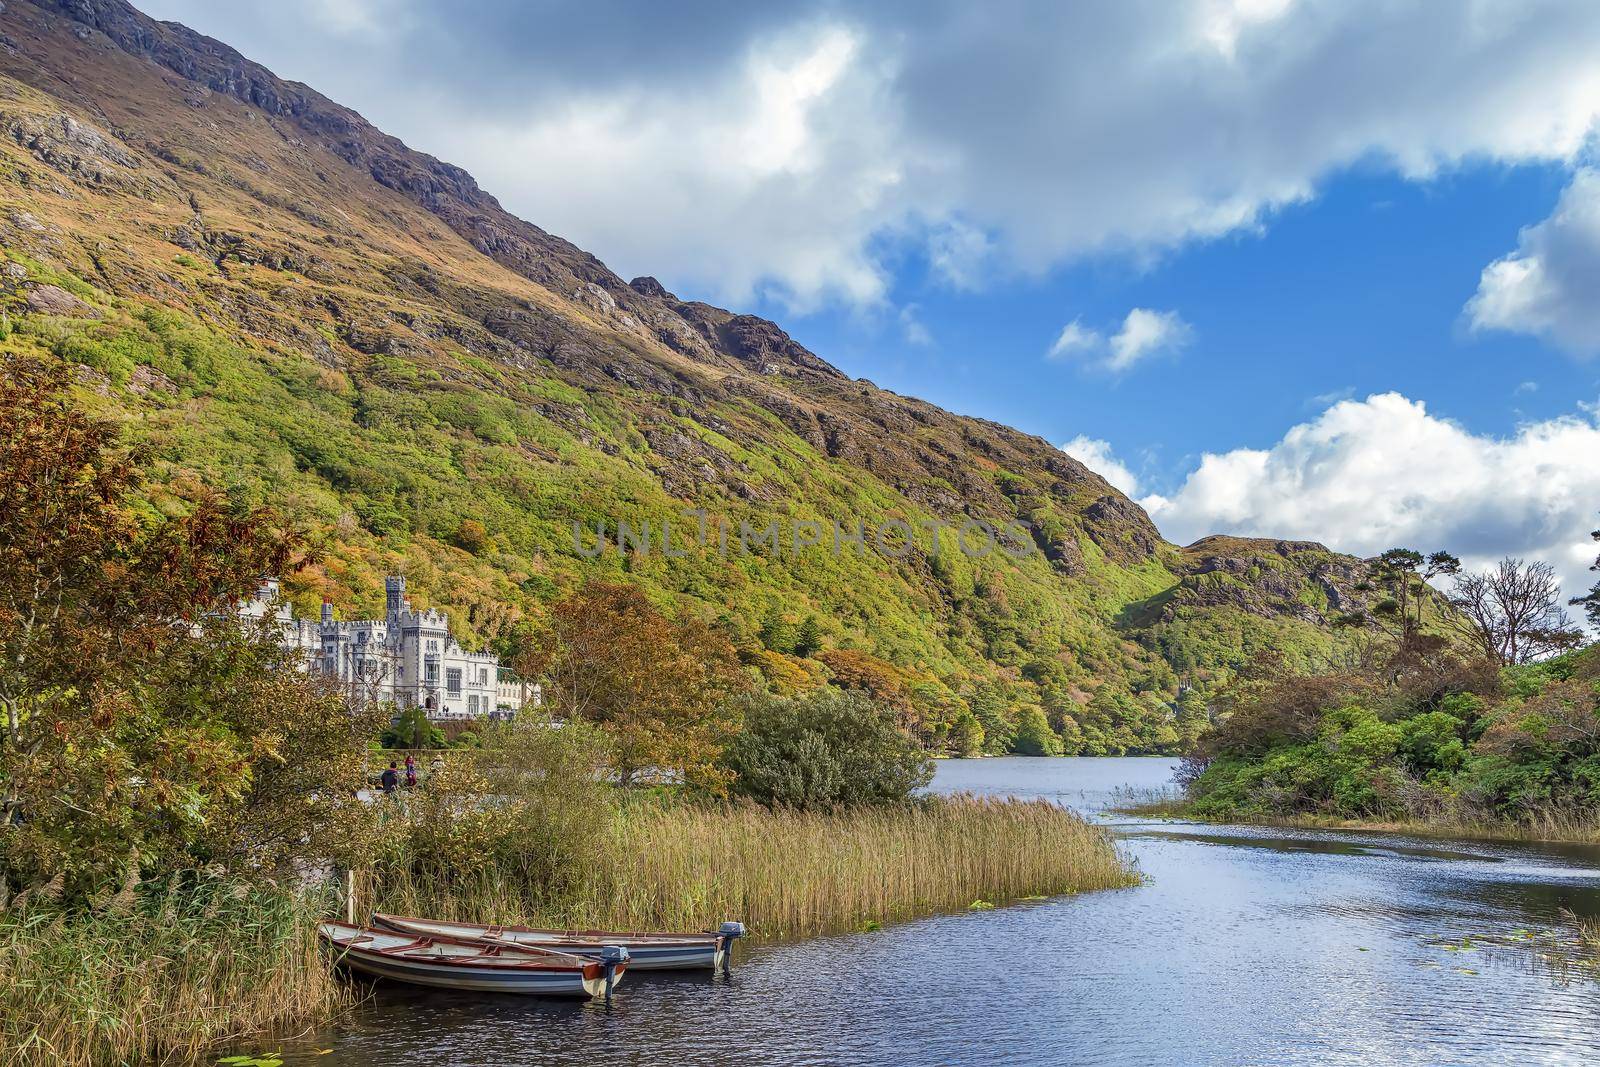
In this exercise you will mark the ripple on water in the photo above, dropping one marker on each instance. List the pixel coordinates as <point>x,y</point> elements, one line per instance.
<point>1246,945</point>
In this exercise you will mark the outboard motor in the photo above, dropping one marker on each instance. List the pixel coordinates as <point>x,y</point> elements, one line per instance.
<point>611,958</point>
<point>729,932</point>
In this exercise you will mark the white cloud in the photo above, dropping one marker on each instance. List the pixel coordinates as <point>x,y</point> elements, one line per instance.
<point>1332,396</point>
<point>800,150</point>
<point>1143,333</point>
<point>960,254</point>
<point>1098,456</point>
<point>1548,286</point>
<point>1075,339</point>
<point>912,328</point>
<point>1369,475</point>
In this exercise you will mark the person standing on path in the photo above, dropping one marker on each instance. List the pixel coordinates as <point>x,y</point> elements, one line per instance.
<point>411,772</point>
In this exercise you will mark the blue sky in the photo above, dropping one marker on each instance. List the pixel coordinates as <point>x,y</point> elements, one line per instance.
<point>1360,290</point>
<point>1320,269</point>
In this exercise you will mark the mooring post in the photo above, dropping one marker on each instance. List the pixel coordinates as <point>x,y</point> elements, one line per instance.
<point>350,895</point>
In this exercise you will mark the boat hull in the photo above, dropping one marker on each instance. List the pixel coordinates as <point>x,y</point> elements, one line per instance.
<point>647,952</point>
<point>445,976</point>
<point>443,962</point>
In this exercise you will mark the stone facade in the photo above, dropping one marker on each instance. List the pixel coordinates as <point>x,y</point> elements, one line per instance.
<point>407,658</point>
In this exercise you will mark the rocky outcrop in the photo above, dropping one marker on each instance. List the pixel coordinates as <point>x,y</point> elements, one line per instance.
<point>1271,579</point>
<point>54,300</point>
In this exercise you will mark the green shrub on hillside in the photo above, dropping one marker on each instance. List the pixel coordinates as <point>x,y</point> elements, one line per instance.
<point>1520,745</point>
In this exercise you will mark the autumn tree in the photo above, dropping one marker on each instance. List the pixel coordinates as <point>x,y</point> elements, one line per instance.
<point>472,536</point>
<point>879,679</point>
<point>656,685</point>
<point>1513,611</point>
<point>146,728</point>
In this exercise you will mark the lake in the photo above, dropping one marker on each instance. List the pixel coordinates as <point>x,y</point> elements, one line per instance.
<point>1245,945</point>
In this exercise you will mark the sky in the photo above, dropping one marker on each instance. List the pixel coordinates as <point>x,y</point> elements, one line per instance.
<point>1320,269</point>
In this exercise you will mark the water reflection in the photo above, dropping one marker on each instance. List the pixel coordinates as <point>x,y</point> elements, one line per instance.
<point>1246,945</point>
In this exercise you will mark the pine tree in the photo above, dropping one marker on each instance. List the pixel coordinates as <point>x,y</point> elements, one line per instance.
<point>808,641</point>
<point>1590,602</point>
<point>775,632</point>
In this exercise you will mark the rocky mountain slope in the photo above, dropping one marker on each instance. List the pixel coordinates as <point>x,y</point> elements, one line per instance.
<point>282,299</point>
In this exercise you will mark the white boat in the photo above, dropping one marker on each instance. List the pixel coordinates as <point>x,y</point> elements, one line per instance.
<point>459,963</point>
<point>646,951</point>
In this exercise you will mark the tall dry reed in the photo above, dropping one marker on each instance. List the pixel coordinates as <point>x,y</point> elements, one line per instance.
<point>161,980</point>
<point>666,865</point>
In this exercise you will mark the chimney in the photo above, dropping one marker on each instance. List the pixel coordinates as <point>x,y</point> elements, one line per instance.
<point>394,588</point>
<point>327,611</point>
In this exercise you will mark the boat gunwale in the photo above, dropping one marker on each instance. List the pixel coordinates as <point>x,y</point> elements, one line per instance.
<point>396,923</point>
<point>485,959</point>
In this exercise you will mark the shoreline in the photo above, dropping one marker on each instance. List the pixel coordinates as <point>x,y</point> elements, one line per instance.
<point>1463,830</point>
<point>158,976</point>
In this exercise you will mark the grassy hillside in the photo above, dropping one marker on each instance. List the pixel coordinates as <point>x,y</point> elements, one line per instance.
<point>276,297</point>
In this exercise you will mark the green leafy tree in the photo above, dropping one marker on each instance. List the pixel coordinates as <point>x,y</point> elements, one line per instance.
<point>413,729</point>
<point>1071,735</point>
<point>965,737</point>
<point>826,749</point>
<point>1034,736</point>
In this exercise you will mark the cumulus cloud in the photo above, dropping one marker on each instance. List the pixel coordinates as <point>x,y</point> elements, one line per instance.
<point>1075,339</point>
<point>1099,457</point>
<point>1143,333</point>
<point>1373,474</point>
<point>797,149</point>
<point>1548,286</point>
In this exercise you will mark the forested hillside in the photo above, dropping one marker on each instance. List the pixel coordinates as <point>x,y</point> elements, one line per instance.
<point>279,299</point>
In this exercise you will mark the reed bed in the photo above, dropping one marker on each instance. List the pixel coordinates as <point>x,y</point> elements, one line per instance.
<point>667,865</point>
<point>166,975</point>
<point>158,979</point>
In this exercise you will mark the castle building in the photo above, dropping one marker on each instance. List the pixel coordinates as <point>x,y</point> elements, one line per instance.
<point>407,658</point>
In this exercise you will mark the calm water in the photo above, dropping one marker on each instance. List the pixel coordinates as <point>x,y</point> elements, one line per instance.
<point>1246,946</point>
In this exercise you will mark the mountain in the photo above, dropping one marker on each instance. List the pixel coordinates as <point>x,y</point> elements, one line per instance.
<point>277,297</point>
